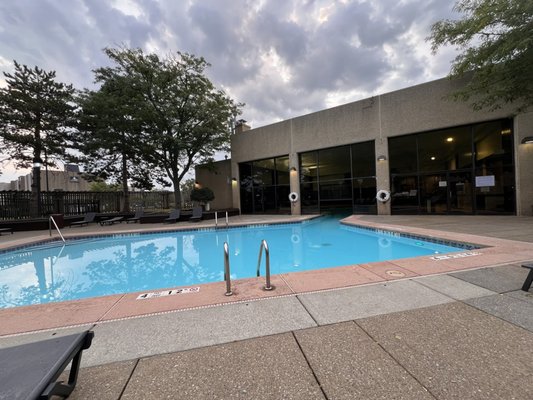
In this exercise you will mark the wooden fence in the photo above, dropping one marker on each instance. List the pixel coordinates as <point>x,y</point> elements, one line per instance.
<point>17,205</point>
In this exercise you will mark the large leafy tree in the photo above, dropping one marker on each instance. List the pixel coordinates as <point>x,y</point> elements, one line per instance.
<point>496,39</point>
<point>35,115</point>
<point>109,127</point>
<point>184,116</point>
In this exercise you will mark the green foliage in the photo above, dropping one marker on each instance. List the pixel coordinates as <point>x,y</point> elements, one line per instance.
<point>186,189</point>
<point>101,186</point>
<point>496,39</point>
<point>35,114</point>
<point>202,195</point>
<point>184,118</point>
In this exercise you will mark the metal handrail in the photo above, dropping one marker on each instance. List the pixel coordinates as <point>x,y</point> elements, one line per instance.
<point>227,277</point>
<point>267,266</point>
<point>216,219</point>
<point>50,220</point>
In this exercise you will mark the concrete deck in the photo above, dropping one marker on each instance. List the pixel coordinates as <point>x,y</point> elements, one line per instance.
<point>463,332</point>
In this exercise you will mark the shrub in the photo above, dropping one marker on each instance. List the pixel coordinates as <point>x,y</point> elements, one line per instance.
<point>202,195</point>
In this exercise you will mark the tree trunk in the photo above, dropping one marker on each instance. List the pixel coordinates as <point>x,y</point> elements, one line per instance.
<point>177,193</point>
<point>35,203</point>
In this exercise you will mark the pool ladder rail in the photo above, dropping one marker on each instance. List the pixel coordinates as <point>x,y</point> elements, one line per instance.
<point>50,221</point>
<point>264,245</point>
<point>216,219</point>
<point>227,277</point>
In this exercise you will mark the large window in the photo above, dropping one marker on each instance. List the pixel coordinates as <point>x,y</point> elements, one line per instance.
<point>264,185</point>
<point>339,179</point>
<point>464,170</point>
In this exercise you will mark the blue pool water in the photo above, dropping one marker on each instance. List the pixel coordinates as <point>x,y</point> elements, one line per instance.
<point>146,262</point>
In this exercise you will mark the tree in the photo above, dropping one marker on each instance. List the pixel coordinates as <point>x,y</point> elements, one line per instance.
<point>496,38</point>
<point>184,117</point>
<point>108,135</point>
<point>202,195</point>
<point>35,114</point>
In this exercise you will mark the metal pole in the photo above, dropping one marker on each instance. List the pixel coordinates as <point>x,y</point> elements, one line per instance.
<point>216,218</point>
<point>264,245</point>
<point>227,277</point>
<point>227,222</point>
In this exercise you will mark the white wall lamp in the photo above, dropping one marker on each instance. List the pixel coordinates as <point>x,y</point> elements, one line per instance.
<point>527,140</point>
<point>382,158</point>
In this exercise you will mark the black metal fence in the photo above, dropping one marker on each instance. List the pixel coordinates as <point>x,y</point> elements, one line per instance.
<point>17,205</point>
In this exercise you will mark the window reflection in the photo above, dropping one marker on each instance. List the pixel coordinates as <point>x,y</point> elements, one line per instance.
<point>466,169</point>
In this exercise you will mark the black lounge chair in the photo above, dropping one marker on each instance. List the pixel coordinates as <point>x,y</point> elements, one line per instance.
<point>30,371</point>
<point>197,214</point>
<point>89,217</point>
<point>112,221</point>
<point>529,277</point>
<point>174,216</point>
<point>6,230</point>
<point>136,217</point>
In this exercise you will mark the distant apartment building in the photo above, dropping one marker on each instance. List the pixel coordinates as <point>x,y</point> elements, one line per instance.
<point>69,180</point>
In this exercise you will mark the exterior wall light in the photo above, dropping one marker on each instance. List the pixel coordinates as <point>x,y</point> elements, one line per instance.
<point>293,169</point>
<point>234,180</point>
<point>382,158</point>
<point>527,140</point>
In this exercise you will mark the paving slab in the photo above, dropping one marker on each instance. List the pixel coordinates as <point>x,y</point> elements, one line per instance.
<point>104,382</point>
<point>183,330</point>
<point>350,365</point>
<point>498,279</point>
<point>266,368</point>
<point>509,308</point>
<point>365,301</point>
<point>458,352</point>
<point>453,287</point>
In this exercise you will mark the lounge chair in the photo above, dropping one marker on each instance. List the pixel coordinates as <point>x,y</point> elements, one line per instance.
<point>197,214</point>
<point>30,371</point>
<point>136,217</point>
<point>89,217</point>
<point>6,230</point>
<point>112,221</point>
<point>174,216</point>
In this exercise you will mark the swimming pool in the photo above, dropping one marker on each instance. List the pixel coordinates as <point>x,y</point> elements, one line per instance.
<point>142,262</point>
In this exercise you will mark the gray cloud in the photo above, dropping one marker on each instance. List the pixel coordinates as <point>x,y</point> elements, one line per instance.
<point>282,58</point>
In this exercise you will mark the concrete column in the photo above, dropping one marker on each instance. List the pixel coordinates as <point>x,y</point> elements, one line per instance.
<point>235,192</point>
<point>296,207</point>
<point>382,174</point>
<point>523,124</point>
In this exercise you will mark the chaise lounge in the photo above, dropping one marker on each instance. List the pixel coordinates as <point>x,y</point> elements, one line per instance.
<point>174,216</point>
<point>197,214</point>
<point>136,217</point>
<point>89,217</point>
<point>6,230</point>
<point>111,221</point>
<point>30,371</point>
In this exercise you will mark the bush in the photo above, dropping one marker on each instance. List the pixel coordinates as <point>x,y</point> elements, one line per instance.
<point>202,195</point>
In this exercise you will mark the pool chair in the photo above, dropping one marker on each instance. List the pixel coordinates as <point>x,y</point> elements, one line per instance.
<point>197,214</point>
<point>89,217</point>
<point>112,221</point>
<point>136,217</point>
<point>2,230</point>
<point>30,371</point>
<point>174,216</point>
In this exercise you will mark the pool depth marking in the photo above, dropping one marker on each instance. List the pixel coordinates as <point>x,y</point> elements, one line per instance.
<point>460,255</point>
<point>164,293</point>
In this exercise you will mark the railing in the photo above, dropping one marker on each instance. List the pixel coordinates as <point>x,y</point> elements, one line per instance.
<point>227,276</point>
<point>50,220</point>
<point>264,245</point>
<point>216,219</point>
<point>16,205</point>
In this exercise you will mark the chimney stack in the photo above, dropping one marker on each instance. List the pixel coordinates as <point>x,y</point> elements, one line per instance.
<point>241,126</point>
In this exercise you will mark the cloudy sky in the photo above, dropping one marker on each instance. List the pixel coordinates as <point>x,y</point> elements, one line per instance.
<point>282,58</point>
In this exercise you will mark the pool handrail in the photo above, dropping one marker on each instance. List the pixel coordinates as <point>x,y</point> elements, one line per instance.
<point>264,245</point>
<point>50,220</point>
<point>227,277</point>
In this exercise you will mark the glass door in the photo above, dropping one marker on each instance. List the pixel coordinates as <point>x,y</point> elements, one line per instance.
<point>460,193</point>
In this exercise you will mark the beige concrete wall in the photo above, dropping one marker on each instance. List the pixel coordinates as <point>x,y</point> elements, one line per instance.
<point>219,181</point>
<point>416,109</point>
<point>523,126</point>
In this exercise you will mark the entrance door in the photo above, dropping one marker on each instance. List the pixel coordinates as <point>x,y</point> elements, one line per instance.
<point>446,193</point>
<point>460,193</point>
